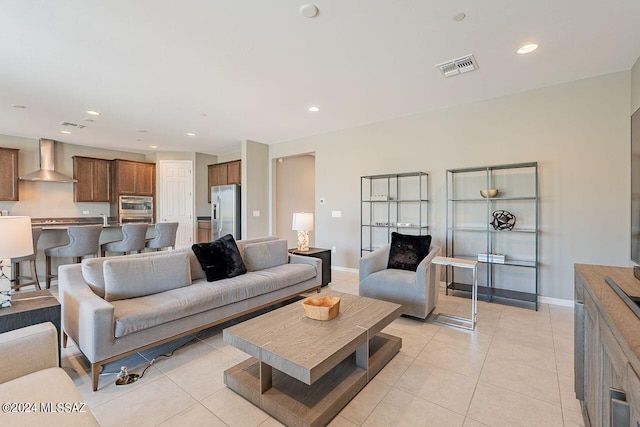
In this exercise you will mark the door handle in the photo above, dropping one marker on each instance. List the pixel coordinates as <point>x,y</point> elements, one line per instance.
<point>620,411</point>
<point>220,216</point>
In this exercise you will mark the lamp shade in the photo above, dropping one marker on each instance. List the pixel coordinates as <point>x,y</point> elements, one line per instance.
<point>302,221</point>
<point>15,236</point>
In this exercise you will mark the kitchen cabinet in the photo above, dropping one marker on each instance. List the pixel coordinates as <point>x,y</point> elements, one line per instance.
<point>9,174</point>
<point>224,174</point>
<point>133,178</point>
<point>94,179</point>
<point>204,231</point>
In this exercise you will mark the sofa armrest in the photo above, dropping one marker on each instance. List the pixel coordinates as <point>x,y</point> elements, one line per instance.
<point>88,319</point>
<point>27,350</point>
<point>374,261</point>
<point>424,266</point>
<point>316,262</point>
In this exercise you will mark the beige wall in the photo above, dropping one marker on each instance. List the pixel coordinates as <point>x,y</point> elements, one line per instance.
<point>203,207</point>
<point>229,157</point>
<point>577,132</point>
<point>635,86</point>
<point>255,189</point>
<point>54,199</point>
<point>294,192</point>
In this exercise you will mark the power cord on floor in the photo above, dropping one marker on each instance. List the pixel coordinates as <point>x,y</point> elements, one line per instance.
<point>125,378</point>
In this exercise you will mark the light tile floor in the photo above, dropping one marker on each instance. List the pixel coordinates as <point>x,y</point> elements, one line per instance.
<point>516,369</point>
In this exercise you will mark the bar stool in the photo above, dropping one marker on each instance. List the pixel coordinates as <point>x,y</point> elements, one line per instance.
<point>165,236</point>
<point>15,264</point>
<point>134,236</point>
<point>83,240</point>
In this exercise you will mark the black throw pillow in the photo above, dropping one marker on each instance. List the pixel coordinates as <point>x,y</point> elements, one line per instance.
<point>220,259</point>
<point>407,251</point>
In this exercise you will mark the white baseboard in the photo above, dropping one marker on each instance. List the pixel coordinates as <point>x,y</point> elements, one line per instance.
<point>347,269</point>
<point>556,301</point>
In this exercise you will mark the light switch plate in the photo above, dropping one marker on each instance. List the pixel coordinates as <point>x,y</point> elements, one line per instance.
<point>336,214</point>
<point>323,200</point>
<point>256,213</point>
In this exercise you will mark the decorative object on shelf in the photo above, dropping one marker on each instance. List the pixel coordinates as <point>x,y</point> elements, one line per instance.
<point>503,220</point>
<point>303,223</point>
<point>379,197</point>
<point>321,308</point>
<point>490,193</point>
<point>492,258</point>
<point>15,241</point>
<point>403,224</point>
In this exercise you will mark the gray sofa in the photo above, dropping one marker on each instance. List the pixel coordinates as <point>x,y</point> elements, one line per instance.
<point>116,306</point>
<point>417,291</point>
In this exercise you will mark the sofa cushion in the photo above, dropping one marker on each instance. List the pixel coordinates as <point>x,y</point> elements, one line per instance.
<point>133,315</point>
<point>44,386</point>
<point>258,256</point>
<point>220,259</point>
<point>93,268</point>
<point>242,243</point>
<point>129,277</point>
<point>407,251</point>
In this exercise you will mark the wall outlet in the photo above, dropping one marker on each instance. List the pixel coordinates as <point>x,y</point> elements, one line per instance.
<point>333,250</point>
<point>85,212</point>
<point>336,214</point>
<point>256,213</point>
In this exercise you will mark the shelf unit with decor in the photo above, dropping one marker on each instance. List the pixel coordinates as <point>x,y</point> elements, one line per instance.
<point>394,202</point>
<point>506,227</point>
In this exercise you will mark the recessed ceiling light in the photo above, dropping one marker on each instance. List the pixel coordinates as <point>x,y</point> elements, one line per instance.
<point>459,16</point>
<point>204,114</point>
<point>86,119</point>
<point>314,108</point>
<point>93,112</point>
<point>18,106</point>
<point>527,48</point>
<point>65,131</point>
<point>141,130</point>
<point>191,134</point>
<point>309,10</point>
<point>153,146</point>
<point>138,140</point>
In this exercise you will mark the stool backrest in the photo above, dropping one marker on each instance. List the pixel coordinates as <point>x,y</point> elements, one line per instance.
<point>35,235</point>
<point>84,240</point>
<point>165,235</point>
<point>134,236</point>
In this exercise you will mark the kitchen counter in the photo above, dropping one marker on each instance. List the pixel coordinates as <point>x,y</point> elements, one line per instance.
<point>64,223</point>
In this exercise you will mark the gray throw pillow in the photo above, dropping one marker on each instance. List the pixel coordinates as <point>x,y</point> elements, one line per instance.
<point>136,277</point>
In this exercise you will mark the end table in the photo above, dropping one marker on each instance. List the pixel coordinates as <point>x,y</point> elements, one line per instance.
<point>324,255</point>
<point>31,308</point>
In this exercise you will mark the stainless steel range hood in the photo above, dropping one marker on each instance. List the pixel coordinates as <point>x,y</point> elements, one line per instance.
<point>47,166</point>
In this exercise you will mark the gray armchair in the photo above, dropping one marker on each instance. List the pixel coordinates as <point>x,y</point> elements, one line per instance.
<point>417,291</point>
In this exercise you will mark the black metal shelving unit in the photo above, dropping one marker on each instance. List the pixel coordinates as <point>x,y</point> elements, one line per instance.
<point>469,231</point>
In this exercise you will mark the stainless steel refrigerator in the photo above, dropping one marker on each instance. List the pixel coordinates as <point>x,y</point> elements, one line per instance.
<point>225,211</point>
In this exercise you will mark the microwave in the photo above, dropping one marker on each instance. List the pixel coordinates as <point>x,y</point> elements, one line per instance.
<point>135,209</point>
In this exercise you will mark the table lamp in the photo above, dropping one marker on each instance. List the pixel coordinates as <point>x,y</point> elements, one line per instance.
<point>15,241</point>
<point>302,223</point>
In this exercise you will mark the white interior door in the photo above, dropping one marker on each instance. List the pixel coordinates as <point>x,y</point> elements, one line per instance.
<point>176,198</point>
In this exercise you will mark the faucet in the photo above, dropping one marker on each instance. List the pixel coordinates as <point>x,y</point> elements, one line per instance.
<point>105,222</point>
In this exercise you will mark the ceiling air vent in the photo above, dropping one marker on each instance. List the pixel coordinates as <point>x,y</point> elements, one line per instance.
<point>75,125</point>
<point>458,66</point>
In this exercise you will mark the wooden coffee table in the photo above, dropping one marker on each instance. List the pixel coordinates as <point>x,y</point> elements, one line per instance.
<point>303,371</point>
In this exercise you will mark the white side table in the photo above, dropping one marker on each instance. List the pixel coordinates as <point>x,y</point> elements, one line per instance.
<point>461,322</point>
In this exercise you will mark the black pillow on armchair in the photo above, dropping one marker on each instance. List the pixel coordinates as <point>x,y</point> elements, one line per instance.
<point>220,259</point>
<point>407,251</point>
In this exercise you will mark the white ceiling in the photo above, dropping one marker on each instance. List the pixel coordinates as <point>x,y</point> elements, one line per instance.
<point>255,66</point>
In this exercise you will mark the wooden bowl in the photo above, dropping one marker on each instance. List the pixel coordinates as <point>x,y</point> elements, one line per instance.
<point>321,308</point>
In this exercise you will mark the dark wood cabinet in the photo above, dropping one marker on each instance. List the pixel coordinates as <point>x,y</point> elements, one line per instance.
<point>94,179</point>
<point>224,174</point>
<point>133,178</point>
<point>9,174</point>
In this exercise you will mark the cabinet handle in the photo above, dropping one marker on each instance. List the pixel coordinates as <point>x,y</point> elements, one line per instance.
<point>578,349</point>
<point>620,413</point>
